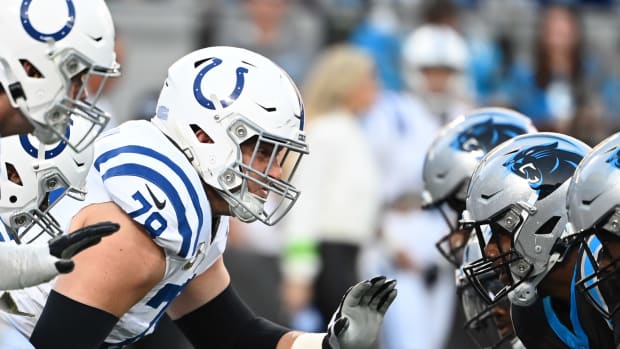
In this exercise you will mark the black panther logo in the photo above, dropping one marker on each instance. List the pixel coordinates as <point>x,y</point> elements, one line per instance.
<point>614,159</point>
<point>545,166</point>
<point>485,136</point>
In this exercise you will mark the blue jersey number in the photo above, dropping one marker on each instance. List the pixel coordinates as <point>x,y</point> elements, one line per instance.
<point>155,223</point>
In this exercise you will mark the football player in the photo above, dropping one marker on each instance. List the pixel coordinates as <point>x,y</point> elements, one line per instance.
<point>593,214</point>
<point>47,52</point>
<point>518,192</point>
<point>228,134</point>
<point>450,161</point>
<point>448,166</point>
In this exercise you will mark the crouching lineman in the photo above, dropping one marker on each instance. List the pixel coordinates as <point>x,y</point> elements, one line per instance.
<point>448,166</point>
<point>41,77</point>
<point>518,192</point>
<point>593,205</point>
<point>228,133</point>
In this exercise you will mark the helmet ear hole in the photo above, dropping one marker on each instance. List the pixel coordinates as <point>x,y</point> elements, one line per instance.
<point>547,228</point>
<point>31,70</point>
<point>202,136</point>
<point>13,175</point>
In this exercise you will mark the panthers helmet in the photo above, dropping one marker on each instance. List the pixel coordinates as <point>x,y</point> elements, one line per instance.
<point>35,176</point>
<point>593,205</point>
<point>236,96</point>
<point>48,51</point>
<point>454,155</point>
<point>519,191</point>
<point>489,326</point>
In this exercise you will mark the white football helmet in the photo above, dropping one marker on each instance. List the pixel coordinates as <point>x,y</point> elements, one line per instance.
<point>235,95</point>
<point>46,49</point>
<point>519,190</point>
<point>35,176</point>
<point>435,46</point>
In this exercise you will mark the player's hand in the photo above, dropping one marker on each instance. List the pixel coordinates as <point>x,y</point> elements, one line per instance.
<point>66,246</point>
<point>357,322</point>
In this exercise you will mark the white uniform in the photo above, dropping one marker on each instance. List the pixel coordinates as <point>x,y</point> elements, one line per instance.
<point>140,170</point>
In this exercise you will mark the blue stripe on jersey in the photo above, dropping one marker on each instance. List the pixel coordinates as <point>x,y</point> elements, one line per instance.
<point>136,149</point>
<point>167,187</point>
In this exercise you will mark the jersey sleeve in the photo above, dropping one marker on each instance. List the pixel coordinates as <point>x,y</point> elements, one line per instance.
<point>158,191</point>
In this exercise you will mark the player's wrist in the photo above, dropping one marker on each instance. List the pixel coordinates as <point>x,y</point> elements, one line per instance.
<point>311,341</point>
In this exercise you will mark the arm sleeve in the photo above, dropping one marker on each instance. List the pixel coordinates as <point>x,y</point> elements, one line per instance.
<point>26,265</point>
<point>65,323</point>
<point>226,322</point>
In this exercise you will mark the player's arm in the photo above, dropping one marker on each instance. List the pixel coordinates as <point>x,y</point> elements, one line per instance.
<point>210,302</point>
<point>107,281</point>
<point>29,265</point>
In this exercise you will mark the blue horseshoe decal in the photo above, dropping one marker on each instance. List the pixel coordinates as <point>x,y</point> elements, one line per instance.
<point>37,35</point>
<point>207,103</point>
<point>49,154</point>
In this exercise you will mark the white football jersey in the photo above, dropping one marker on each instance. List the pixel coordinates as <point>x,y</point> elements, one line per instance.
<point>140,170</point>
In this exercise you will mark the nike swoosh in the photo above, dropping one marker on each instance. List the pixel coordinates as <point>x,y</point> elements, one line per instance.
<point>159,204</point>
<point>269,110</point>
<point>488,196</point>
<point>78,164</point>
<point>588,202</point>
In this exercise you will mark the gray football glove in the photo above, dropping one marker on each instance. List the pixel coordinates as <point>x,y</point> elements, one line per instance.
<point>66,246</point>
<point>357,321</point>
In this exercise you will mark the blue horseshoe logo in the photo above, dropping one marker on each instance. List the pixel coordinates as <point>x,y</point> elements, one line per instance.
<point>49,154</point>
<point>207,103</point>
<point>37,35</point>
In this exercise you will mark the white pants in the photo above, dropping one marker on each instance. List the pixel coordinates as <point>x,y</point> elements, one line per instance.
<point>10,338</point>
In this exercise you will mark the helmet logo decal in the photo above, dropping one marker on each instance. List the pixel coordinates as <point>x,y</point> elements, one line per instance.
<point>614,159</point>
<point>42,37</point>
<point>545,166</point>
<point>207,103</point>
<point>49,154</point>
<point>484,136</point>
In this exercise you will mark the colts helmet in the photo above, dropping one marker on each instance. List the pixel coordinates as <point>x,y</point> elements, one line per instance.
<point>519,191</point>
<point>593,205</point>
<point>48,51</point>
<point>454,155</point>
<point>236,96</point>
<point>35,176</point>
